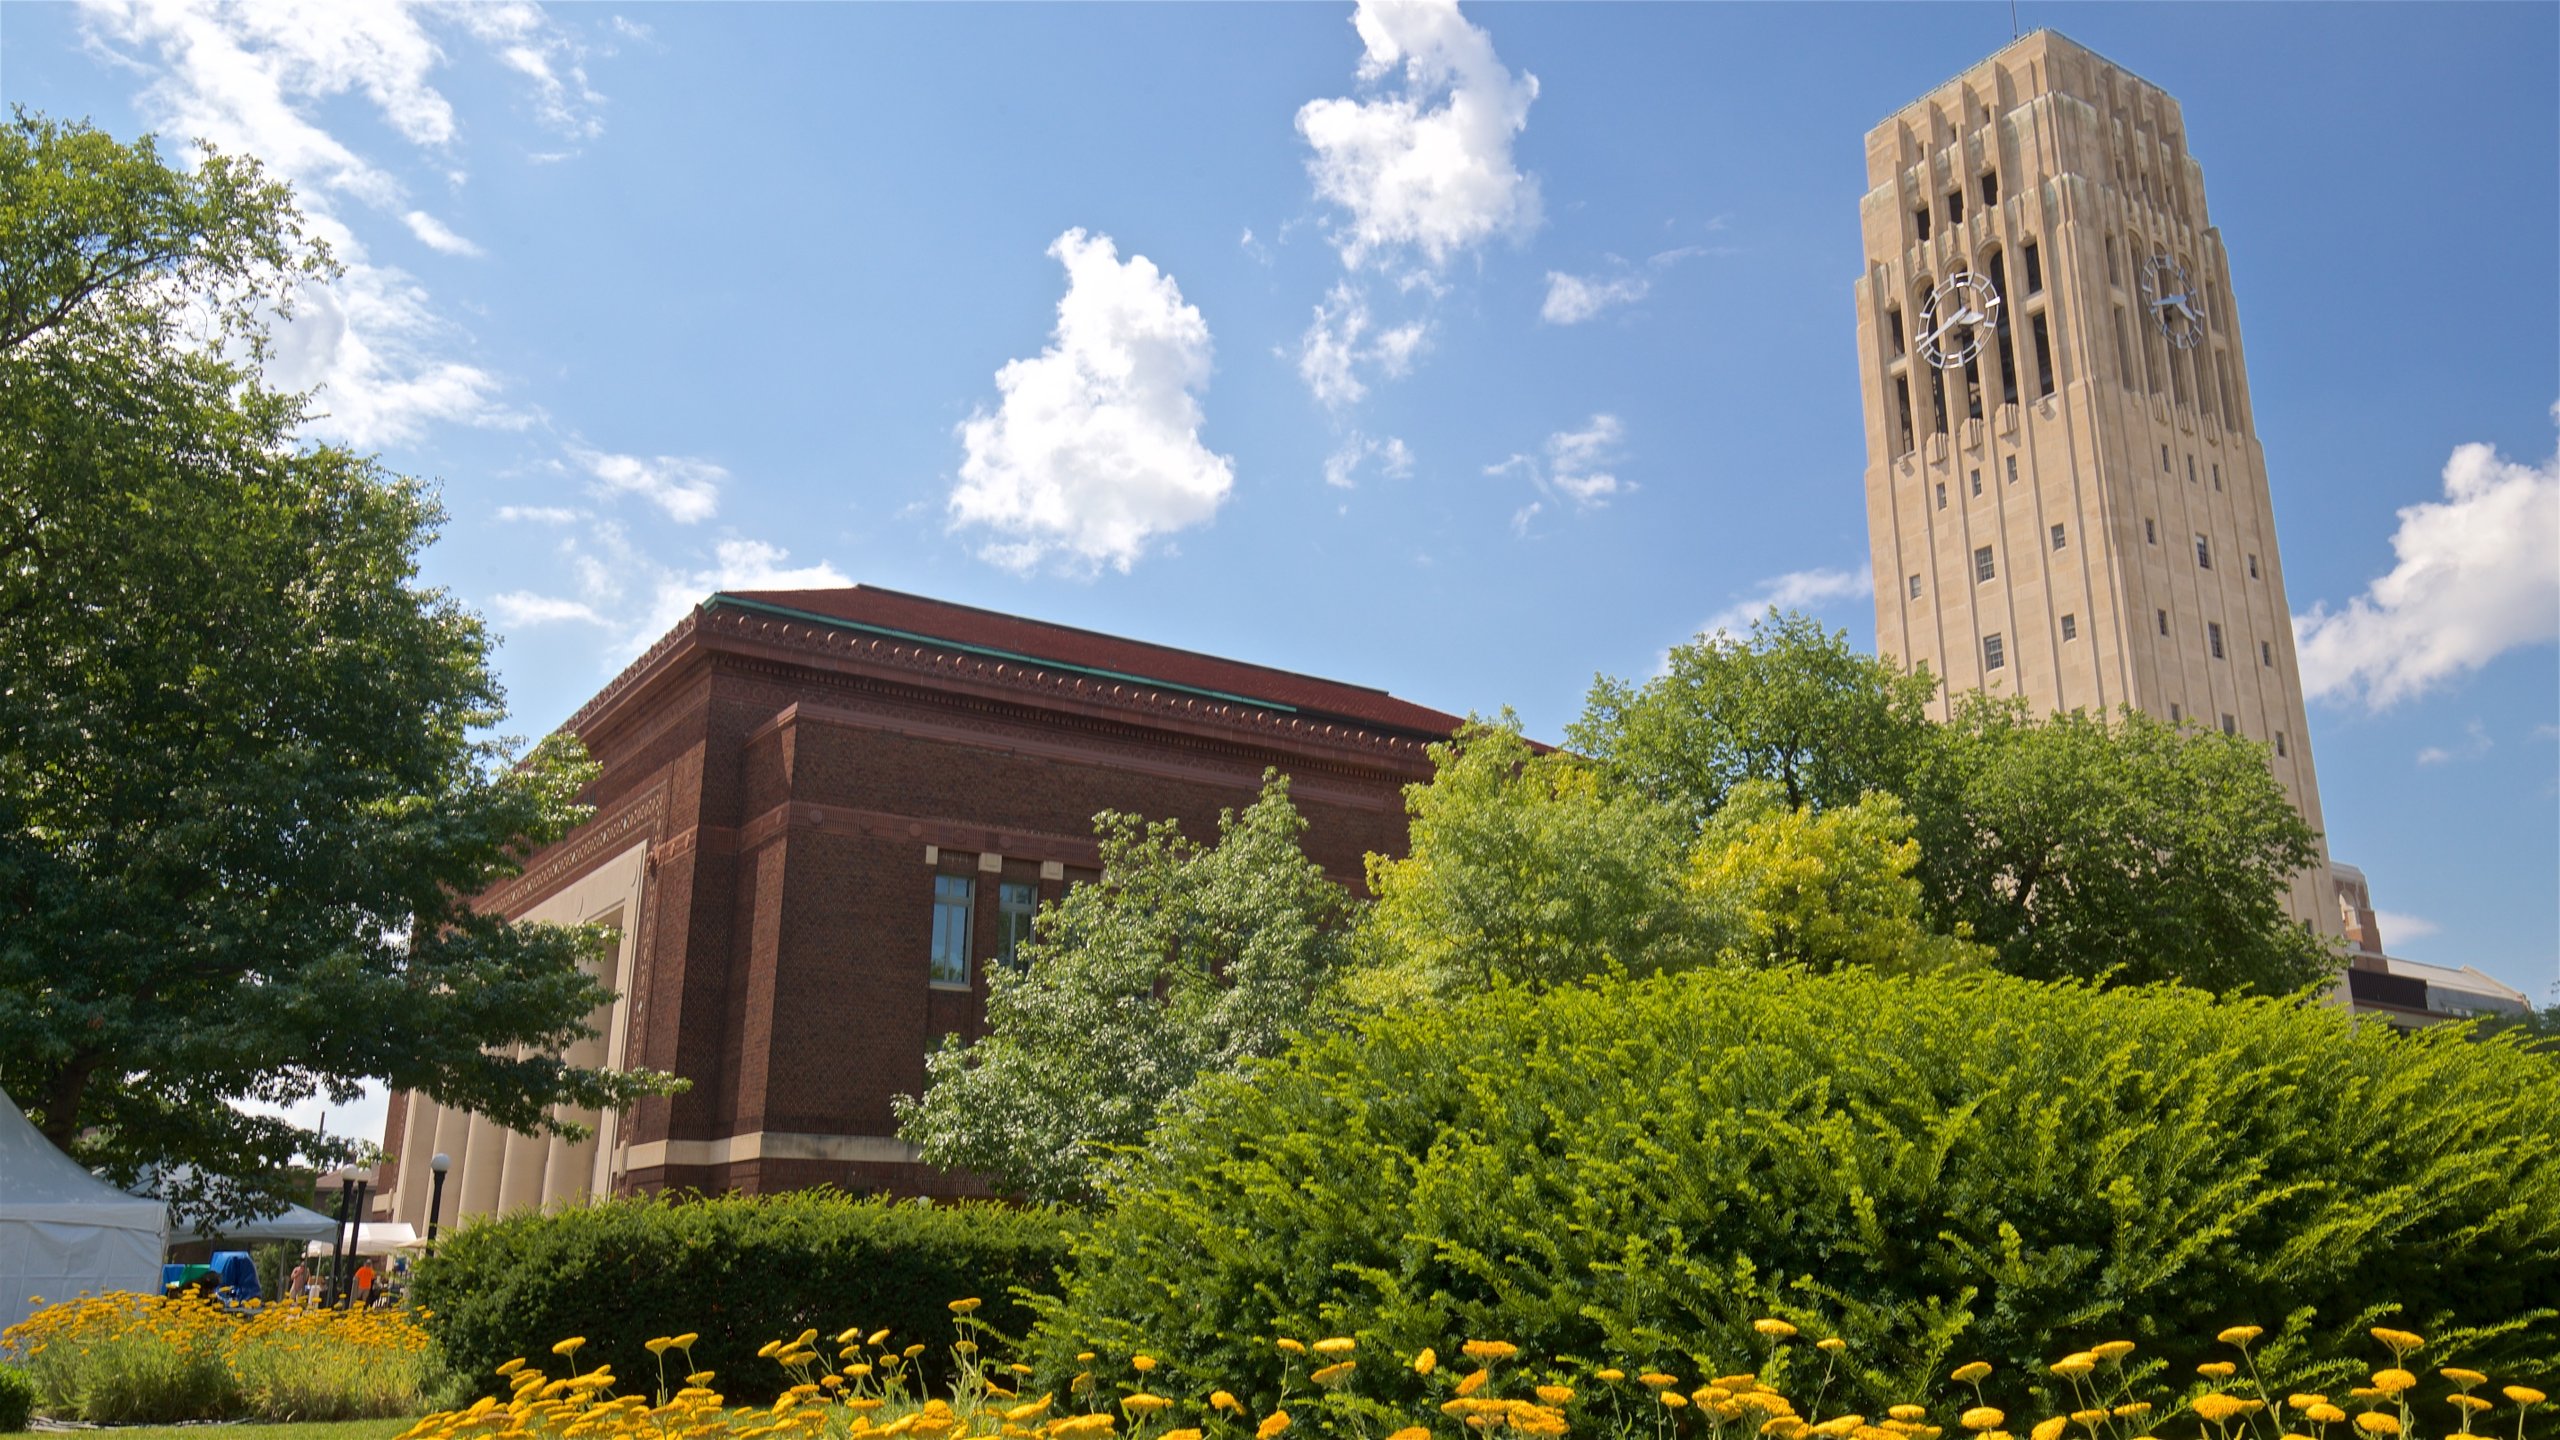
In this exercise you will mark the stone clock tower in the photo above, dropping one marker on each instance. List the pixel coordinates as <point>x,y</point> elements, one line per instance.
<point>2065,495</point>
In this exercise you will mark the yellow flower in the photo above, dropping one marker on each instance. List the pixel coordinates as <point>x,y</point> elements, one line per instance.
<point>1657,1379</point>
<point>661,1345</point>
<point>912,1351</point>
<point>1779,1328</point>
<point>2394,1382</point>
<point>2217,1369</point>
<point>2400,1341</point>
<point>2133,1410</point>
<point>2374,1422</point>
<point>1180,1435</point>
<point>2049,1429</point>
<point>1412,1432</point>
<point>1020,1413</point>
<point>1222,1400</point>
<point>1332,1374</point>
<point>2218,1408</point>
<point>1672,1398</point>
<point>1338,1345</point>
<point>2464,1378</point>
<point>1489,1349</point>
<point>1292,1346</point>
<point>1981,1417</point>
<point>2240,1334</point>
<point>1144,1403</point>
<point>1271,1426</point>
<point>2523,1394</point>
<point>963,1307</point>
<point>1611,1376</point>
<point>512,1366</point>
<point>2305,1402</point>
<point>1474,1381</point>
<point>2090,1418</point>
<point>876,1336</point>
<point>1142,1363</point>
<point>2469,1402</point>
<point>569,1346</point>
<point>1972,1372</point>
<point>2072,1367</point>
<point>1833,1345</point>
<point>1913,1412</point>
<point>1555,1394</point>
<point>2324,1414</point>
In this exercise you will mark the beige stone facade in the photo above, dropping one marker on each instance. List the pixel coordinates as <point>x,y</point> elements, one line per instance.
<point>2066,499</point>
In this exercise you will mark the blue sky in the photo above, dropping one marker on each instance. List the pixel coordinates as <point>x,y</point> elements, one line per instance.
<point>1467,355</point>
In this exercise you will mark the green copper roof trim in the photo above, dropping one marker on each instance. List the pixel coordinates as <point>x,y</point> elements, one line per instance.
<point>839,622</point>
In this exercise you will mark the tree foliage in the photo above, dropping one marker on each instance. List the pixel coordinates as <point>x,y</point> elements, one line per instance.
<point>1183,960</point>
<point>1527,868</point>
<point>243,801</point>
<point>1822,889</point>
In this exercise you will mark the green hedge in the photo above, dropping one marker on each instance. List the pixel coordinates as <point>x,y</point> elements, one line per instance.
<point>17,1399</point>
<point>1936,1171</point>
<point>737,1270</point>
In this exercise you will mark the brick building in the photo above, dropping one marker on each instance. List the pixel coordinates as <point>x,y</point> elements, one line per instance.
<point>822,815</point>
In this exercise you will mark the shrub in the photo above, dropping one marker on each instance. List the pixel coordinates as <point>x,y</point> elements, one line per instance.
<point>740,1270</point>
<point>127,1358</point>
<point>1934,1170</point>
<point>17,1399</point>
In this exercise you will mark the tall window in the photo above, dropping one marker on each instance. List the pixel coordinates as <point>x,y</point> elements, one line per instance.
<point>1920,220</point>
<point>1942,494</point>
<point>1915,587</point>
<point>2164,622</point>
<point>2070,627</point>
<point>1982,567</point>
<point>2279,742</point>
<point>2013,469</point>
<point>2177,713</point>
<point>2191,469</point>
<point>1990,187</point>
<point>2204,553</point>
<point>954,896</point>
<point>2217,475</point>
<point>2044,351</point>
<point>1902,407</point>
<point>2230,726</point>
<point>1993,657</point>
<point>2061,538</point>
<point>2033,258</point>
<point>2213,637</point>
<point>1977,480</point>
<point>1893,327</point>
<point>1015,905</point>
<point>2267,654</point>
<point>2253,567</point>
<point>2150,531</point>
<point>1955,206</point>
<point>2124,352</point>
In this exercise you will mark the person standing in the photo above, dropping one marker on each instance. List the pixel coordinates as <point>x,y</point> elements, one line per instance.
<point>294,1287</point>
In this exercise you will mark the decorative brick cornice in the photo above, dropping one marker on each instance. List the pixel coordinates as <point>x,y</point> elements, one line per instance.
<point>565,861</point>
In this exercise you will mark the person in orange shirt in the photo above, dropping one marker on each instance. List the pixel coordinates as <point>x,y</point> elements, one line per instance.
<point>364,1284</point>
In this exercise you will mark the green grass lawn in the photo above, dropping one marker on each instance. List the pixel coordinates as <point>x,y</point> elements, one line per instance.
<point>323,1430</point>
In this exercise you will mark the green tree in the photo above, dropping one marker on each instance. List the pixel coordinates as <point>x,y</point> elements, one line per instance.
<point>1825,889</point>
<point>1181,961</point>
<point>1527,868</point>
<point>1792,704</point>
<point>242,805</point>
<point>2082,846</point>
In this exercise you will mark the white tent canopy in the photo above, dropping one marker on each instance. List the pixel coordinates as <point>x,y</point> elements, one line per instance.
<point>64,1230</point>
<point>373,1237</point>
<point>236,1229</point>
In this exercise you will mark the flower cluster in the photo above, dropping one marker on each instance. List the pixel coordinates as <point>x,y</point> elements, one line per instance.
<point>866,1391</point>
<point>126,1357</point>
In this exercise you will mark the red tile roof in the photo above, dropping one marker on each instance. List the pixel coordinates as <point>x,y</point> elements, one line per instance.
<point>969,628</point>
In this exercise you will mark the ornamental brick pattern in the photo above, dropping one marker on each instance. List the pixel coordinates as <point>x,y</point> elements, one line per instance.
<point>783,777</point>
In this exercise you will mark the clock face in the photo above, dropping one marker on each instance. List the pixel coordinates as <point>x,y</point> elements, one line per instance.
<point>1959,315</point>
<point>2173,300</point>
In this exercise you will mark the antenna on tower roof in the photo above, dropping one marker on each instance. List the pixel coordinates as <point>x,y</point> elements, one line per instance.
<point>2013,19</point>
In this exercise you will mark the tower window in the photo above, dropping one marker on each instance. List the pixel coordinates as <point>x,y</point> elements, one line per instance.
<point>2213,637</point>
<point>2279,743</point>
<point>2229,725</point>
<point>2191,469</point>
<point>1977,480</point>
<point>1990,187</point>
<point>1915,587</point>
<point>1902,411</point>
<point>1893,328</point>
<point>2029,252</point>
<point>2164,622</point>
<point>2217,475</point>
<point>2230,409</point>
<point>2061,538</point>
<point>2013,469</point>
<point>2253,567</point>
<point>1920,220</point>
<point>2115,275</point>
<point>2070,627</point>
<point>2164,461</point>
<point>2204,553</point>
<point>2044,348</point>
<point>1942,494</point>
<point>1015,905</point>
<point>1982,566</point>
<point>2177,713</point>
<point>1955,206</point>
<point>2124,352</point>
<point>1938,399</point>
<point>2150,531</point>
<point>2267,654</point>
<point>1993,657</point>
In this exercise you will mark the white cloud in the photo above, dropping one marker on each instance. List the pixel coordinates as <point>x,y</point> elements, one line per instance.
<point>436,235</point>
<point>1426,167</point>
<point>2475,743</point>
<point>1342,467</point>
<point>1338,345</point>
<point>1572,299</point>
<point>2478,575</point>
<point>1573,465</point>
<point>253,76</point>
<point>1795,590</point>
<point>537,514</point>
<point>686,488</point>
<point>1094,450</point>
<point>635,598</point>
<point>2397,927</point>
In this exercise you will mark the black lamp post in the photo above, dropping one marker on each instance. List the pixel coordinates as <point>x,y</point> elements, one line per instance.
<point>435,1196</point>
